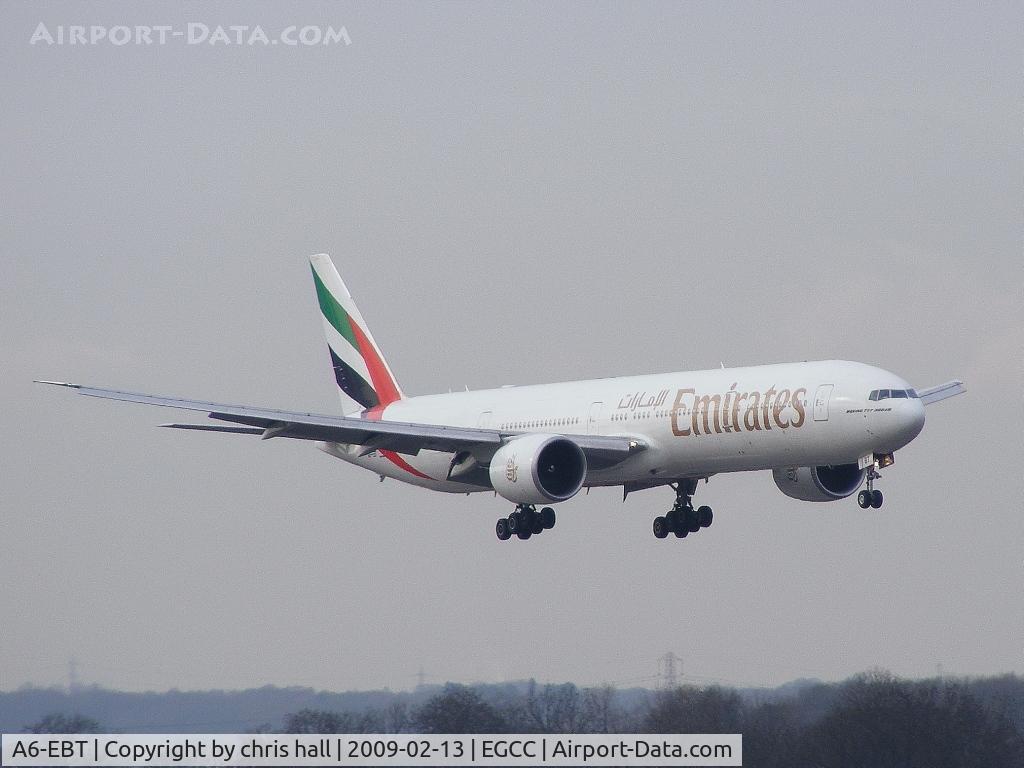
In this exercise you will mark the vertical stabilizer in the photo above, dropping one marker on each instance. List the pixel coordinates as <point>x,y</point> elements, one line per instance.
<point>365,381</point>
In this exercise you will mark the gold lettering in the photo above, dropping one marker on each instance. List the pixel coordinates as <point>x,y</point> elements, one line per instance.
<point>736,410</point>
<point>780,404</point>
<point>751,419</point>
<point>798,406</point>
<point>766,405</point>
<point>732,411</point>
<point>706,401</point>
<point>726,410</point>
<point>676,429</point>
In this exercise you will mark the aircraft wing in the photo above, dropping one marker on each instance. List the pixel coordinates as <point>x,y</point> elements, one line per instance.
<point>407,438</point>
<point>941,392</point>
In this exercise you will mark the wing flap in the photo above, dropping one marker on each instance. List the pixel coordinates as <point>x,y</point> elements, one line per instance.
<point>215,428</point>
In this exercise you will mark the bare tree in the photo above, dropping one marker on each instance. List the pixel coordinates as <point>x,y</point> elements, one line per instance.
<point>881,720</point>
<point>459,709</point>
<point>554,708</point>
<point>58,723</point>
<point>320,721</point>
<point>600,714</point>
<point>396,717</point>
<point>687,709</point>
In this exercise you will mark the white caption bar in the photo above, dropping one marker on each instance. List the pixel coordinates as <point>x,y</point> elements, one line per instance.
<point>286,750</point>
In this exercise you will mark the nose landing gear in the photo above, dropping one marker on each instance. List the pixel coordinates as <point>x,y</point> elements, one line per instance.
<point>683,519</point>
<point>870,497</point>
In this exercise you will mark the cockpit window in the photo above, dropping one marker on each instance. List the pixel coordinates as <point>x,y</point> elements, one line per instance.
<point>885,394</point>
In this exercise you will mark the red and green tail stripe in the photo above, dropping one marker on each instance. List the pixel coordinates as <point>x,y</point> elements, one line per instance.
<point>382,388</point>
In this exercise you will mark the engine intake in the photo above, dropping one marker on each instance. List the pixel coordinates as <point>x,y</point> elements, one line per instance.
<point>827,483</point>
<point>534,469</point>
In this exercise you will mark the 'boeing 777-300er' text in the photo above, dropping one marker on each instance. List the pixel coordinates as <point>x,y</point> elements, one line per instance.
<point>823,428</point>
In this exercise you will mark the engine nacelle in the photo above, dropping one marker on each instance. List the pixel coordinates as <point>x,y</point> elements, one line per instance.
<point>829,483</point>
<point>534,469</point>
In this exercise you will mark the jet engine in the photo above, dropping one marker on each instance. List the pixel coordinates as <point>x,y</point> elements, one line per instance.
<point>828,483</point>
<point>534,469</point>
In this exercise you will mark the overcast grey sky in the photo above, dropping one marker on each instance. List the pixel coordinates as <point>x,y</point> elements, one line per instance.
<point>515,194</point>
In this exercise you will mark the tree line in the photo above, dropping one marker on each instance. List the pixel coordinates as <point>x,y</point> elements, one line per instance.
<point>873,720</point>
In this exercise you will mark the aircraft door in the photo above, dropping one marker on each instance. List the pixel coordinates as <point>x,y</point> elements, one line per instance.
<point>594,418</point>
<point>486,420</point>
<point>821,398</point>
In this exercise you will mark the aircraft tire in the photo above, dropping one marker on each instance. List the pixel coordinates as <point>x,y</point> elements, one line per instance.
<point>692,520</point>
<point>705,516</point>
<point>547,518</point>
<point>501,529</point>
<point>876,499</point>
<point>524,535</point>
<point>660,527</point>
<point>864,499</point>
<point>675,520</point>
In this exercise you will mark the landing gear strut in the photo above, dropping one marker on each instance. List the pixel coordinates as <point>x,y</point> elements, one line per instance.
<point>683,519</point>
<point>525,522</point>
<point>870,497</point>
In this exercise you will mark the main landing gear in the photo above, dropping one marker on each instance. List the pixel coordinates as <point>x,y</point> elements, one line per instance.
<point>870,497</point>
<point>525,522</point>
<point>683,519</point>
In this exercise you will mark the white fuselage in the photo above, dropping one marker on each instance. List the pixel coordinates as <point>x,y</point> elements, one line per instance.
<point>694,423</point>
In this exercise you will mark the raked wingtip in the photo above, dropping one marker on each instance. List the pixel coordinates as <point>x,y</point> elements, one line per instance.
<point>57,383</point>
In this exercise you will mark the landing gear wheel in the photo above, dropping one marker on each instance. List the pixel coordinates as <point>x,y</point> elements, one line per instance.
<point>538,527</point>
<point>676,523</point>
<point>684,518</point>
<point>864,499</point>
<point>660,527</point>
<point>514,522</point>
<point>876,499</point>
<point>501,529</point>
<point>524,535</point>
<point>547,518</point>
<point>692,520</point>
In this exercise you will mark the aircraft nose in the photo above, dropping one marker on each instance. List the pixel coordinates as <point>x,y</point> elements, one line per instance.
<point>911,419</point>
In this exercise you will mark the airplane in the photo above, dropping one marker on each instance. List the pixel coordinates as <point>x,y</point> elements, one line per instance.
<point>823,428</point>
